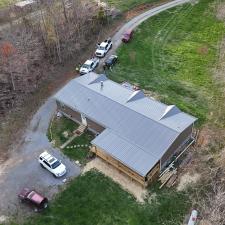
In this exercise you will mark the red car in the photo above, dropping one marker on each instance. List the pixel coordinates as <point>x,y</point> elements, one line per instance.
<point>34,199</point>
<point>127,36</point>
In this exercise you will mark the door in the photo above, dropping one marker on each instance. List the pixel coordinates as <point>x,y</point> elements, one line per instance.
<point>83,119</point>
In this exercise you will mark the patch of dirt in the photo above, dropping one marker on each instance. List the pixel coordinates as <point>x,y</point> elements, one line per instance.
<point>126,183</point>
<point>205,222</point>
<point>132,56</point>
<point>141,8</point>
<point>204,137</point>
<point>188,179</point>
<point>220,12</point>
<point>220,161</point>
<point>203,50</point>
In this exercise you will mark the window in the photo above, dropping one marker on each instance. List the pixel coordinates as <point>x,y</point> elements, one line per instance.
<point>55,164</point>
<point>46,163</point>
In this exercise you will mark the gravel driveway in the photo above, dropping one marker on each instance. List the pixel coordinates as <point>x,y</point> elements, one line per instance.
<point>23,169</point>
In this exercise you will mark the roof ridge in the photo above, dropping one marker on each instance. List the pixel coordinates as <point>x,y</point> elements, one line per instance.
<point>158,122</point>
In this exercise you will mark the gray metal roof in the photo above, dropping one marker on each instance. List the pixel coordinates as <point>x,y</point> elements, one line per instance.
<point>122,150</point>
<point>149,126</point>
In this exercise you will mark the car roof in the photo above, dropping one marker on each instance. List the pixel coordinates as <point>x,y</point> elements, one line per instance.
<point>48,157</point>
<point>128,32</point>
<point>112,56</point>
<point>35,197</point>
<point>88,62</point>
<point>103,44</point>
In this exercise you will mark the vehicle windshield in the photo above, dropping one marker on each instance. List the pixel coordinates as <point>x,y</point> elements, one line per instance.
<point>86,66</point>
<point>101,48</point>
<point>55,164</point>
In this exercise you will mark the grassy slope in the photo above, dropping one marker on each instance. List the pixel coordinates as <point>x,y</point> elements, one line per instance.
<point>94,199</point>
<point>172,54</point>
<point>125,5</point>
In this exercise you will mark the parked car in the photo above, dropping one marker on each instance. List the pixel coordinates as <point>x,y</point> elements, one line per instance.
<point>103,48</point>
<point>111,61</point>
<point>33,198</point>
<point>52,164</point>
<point>89,66</point>
<point>127,36</point>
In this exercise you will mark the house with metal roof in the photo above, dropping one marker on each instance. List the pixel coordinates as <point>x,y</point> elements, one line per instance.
<point>136,134</point>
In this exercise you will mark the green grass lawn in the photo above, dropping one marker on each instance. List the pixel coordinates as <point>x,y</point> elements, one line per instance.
<point>125,5</point>
<point>78,149</point>
<point>4,3</point>
<point>93,199</point>
<point>57,127</point>
<point>172,54</point>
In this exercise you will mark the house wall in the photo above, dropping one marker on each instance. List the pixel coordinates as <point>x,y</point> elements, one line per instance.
<point>69,112</point>
<point>76,116</point>
<point>144,181</point>
<point>176,146</point>
<point>94,126</point>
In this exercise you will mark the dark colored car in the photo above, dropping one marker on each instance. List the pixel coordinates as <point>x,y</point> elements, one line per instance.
<point>33,198</point>
<point>127,36</point>
<point>111,61</point>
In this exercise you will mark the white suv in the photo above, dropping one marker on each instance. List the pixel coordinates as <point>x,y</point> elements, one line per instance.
<point>103,48</point>
<point>52,164</point>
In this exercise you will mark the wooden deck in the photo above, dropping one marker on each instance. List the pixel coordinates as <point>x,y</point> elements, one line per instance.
<point>144,181</point>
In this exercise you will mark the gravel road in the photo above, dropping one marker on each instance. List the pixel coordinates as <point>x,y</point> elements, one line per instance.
<point>23,169</point>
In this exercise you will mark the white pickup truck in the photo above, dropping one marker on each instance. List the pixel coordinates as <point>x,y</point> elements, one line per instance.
<point>103,48</point>
<point>89,66</point>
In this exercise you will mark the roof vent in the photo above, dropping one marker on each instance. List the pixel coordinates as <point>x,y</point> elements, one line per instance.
<point>171,110</point>
<point>101,84</point>
<point>136,95</point>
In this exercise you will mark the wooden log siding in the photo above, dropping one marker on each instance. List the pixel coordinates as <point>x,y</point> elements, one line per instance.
<point>144,181</point>
<point>153,174</point>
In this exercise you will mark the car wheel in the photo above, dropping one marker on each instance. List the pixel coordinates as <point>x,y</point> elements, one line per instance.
<point>42,166</point>
<point>54,175</point>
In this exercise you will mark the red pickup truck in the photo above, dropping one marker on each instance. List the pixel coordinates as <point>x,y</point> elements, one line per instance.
<point>127,36</point>
<point>34,199</point>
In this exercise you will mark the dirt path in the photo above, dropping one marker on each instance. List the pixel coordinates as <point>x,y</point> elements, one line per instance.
<point>22,169</point>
